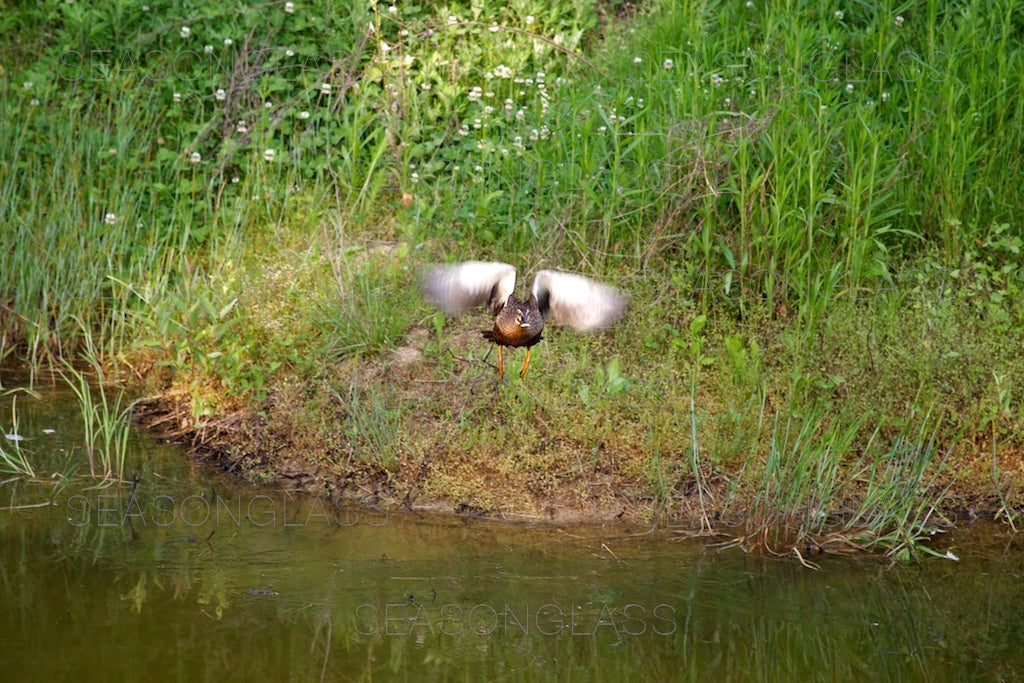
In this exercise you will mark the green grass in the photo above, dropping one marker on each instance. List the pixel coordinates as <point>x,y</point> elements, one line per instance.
<point>816,213</point>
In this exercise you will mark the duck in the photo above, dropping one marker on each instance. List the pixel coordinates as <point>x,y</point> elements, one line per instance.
<point>557,297</point>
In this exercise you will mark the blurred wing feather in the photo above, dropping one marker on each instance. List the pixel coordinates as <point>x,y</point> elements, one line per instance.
<point>462,286</point>
<point>578,301</point>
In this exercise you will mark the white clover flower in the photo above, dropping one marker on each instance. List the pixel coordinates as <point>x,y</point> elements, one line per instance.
<point>176,97</point>
<point>838,15</point>
<point>289,52</point>
<point>208,49</point>
<point>185,32</point>
<point>509,104</point>
<point>228,42</point>
<point>849,88</point>
<point>28,85</point>
<point>415,178</point>
<point>393,10</point>
<point>195,157</point>
<point>716,80</point>
<point>110,219</point>
<point>452,20</point>
<point>289,8</point>
<point>899,20</point>
<point>478,169</point>
<point>325,88</point>
<point>529,19</point>
<point>502,71</point>
<point>268,105</point>
<point>404,32</point>
<point>268,155</point>
<point>235,180</point>
<point>493,28</point>
<point>749,4</point>
<point>601,129</point>
<point>668,64</point>
<point>488,110</point>
<point>220,95</point>
<point>475,93</point>
<point>425,86</point>
<point>304,115</point>
<point>521,115</point>
<point>637,60</point>
<point>242,128</point>
<point>885,97</point>
<point>477,124</point>
<point>34,102</point>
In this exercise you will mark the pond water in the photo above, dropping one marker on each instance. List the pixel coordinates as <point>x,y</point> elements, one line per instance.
<point>188,574</point>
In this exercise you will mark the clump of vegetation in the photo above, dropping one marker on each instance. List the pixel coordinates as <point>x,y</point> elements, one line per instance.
<point>815,210</point>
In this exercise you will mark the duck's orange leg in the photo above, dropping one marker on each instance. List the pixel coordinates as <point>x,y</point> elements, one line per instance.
<point>526,363</point>
<point>501,365</point>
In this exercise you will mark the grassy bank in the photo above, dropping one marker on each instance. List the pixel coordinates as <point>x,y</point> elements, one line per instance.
<point>814,207</point>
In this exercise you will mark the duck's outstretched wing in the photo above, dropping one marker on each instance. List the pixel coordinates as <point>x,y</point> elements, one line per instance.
<point>574,300</point>
<point>461,286</point>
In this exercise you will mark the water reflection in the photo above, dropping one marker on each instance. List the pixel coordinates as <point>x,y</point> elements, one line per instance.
<point>189,575</point>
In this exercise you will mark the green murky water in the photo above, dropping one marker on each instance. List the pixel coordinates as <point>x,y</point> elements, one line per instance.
<point>193,576</point>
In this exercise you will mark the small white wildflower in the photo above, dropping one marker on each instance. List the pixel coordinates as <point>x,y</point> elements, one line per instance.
<point>242,128</point>
<point>110,219</point>
<point>426,86</point>
<point>28,85</point>
<point>208,49</point>
<point>838,15</point>
<point>235,180</point>
<point>477,124</point>
<point>478,169</point>
<point>822,108</point>
<point>268,105</point>
<point>304,114</point>
<point>392,9</point>
<point>176,97</point>
<point>728,101</point>
<point>220,95</point>
<point>637,60</point>
<point>849,88</point>
<point>195,157</point>
<point>899,20</point>
<point>185,32</point>
<point>493,28</point>
<point>325,88</point>
<point>668,64</point>
<point>521,115</point>
<point>34,102</point>
<point>885,97</point>
<point>509,104</point>
<point>749,4</point>
<point>289,53</point>
<point>268,155</point>
<point>289,8</point>
<point>452,20</point>
<point>415,178</point>
<point>228,42</point>
<point>502,71</point>
<point>384,47</point>
<point>404,32</point>
<point>145,8</point>
<point>529,19</point>
<point>601,129</point>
